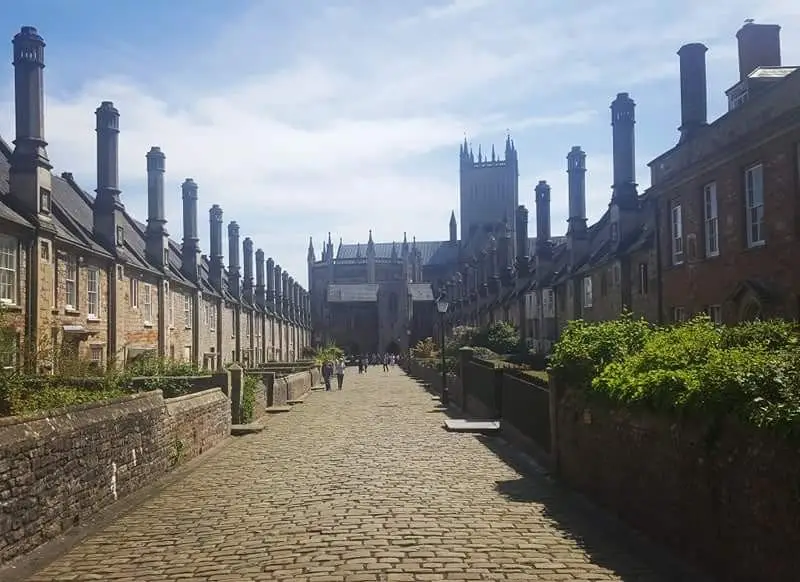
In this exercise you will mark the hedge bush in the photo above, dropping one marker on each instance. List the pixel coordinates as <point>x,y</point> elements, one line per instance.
<point>750,371</point>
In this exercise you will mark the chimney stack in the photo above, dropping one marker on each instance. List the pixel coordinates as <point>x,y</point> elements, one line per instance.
<point>576,188</point>
<point>216,267</point>
<point>261,290</point>
<point>277,290</point>
<point>542,192</point>
<point>759,46</point>
<point>623,119</point>
<point>107,203</point>
<point>290,307</point>
<point>285,294</point>
<point>190,252</point>
<point>234,280</point>
<point>694,99</point>
<point>247,267</point>
<point>30,148</point>
<point>156,237</point>
<point>522,240</point>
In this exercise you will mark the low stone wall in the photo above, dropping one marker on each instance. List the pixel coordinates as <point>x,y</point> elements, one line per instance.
<point>723,495</point>
<point>58,469</point>
<point>276,389</point>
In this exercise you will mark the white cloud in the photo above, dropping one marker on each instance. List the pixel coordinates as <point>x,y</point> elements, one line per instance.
<point>348,118</point>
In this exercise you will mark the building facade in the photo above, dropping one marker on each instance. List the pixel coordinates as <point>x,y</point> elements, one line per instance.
<point>81,278</point>
<point>716,232</point>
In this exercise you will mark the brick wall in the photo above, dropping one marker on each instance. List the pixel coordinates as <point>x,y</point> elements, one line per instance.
<point>124,445</point>
<point>723,496</point>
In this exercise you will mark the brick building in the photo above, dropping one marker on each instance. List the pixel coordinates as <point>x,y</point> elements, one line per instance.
<point>79,273</point>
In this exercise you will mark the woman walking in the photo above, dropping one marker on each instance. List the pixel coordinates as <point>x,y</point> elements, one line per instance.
<point>340,366</point>
<point>327,372</point>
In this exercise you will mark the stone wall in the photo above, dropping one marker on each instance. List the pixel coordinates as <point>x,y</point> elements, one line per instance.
<point>276,389</point>
<point>724,496</point>
<point>61,468</point>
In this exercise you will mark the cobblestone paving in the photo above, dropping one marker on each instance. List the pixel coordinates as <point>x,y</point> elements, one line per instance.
<point>357,485</point>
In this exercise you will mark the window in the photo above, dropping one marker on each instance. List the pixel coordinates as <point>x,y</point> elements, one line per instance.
<point>206,314</point>
<point>120,236</point>
<point>8,270</point>
<point>71,283</point>
<point>715,313</point>
<point>212,312</point>
<point>93,293</point>
<point>643,279</point>
<point>147,303</point>
<point>754,189</point>
<point>187,311</point>
<point>549,302</point>
<point>711,217</point>
<point>248,323</point>
<point>676,231</point>
<point>170,304</point>
<point>44,200</point>
<point>45,251</point>
<point>96,355</point>
<point>134,293</point>
<point>587,291</point>
<point>678,314</point>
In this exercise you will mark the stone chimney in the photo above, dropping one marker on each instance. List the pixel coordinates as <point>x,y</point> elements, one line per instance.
<point>190,251</point>
<point>108,208</point>
<point>759,46</point>
<point>247,267</point>
<point>522,240</point>
<point>234,266</point>
<point>577,234</point>
<point>290,306</point>
<point>30,179</point>
<point>261,290</point>
<point>270,283</point>
<point>216,266</point>
<point>156,236</point>
<point>623,119</point>
<point>277,296</point>
<point>285,294</point>
<point>694,98</point>
<point>453,228</point>
<point>542,192</point>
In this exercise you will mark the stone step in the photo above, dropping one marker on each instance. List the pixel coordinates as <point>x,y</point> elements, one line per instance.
<point>277,409</point>
<point>296,400</point>
<point>243,429</point>
<point>478,426</point>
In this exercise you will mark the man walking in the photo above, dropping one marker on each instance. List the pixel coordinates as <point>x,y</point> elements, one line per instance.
<point>340,366</point>
<point>327,372</point>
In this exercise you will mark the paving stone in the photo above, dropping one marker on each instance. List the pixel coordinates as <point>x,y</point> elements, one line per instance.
<point>363,484</point>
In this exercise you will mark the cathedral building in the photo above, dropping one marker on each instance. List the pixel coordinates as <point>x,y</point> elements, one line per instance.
<point>81,277</point>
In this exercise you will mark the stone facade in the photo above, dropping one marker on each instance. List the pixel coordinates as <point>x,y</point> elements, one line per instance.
<point>127,443</point>
<point>81,276</point>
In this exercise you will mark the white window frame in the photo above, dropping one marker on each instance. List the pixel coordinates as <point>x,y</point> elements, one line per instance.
<point>212,312</point>
<point>676,232</point>
<point>93,293</point>
<point>711,219</point>
<point>96,354</point>
<point>168,299</point>
<point>71,283</point>
<point>754,205</point>
<point>134,293</point>
<point>9,269</point>
<point>147,303</point>
<point>187,311</point>
<point>587,291</point>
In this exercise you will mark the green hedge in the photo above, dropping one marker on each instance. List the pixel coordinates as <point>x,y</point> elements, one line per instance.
<point>750,371</point>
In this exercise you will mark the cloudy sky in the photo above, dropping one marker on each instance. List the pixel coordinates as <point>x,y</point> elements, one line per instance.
<point>301,117</point>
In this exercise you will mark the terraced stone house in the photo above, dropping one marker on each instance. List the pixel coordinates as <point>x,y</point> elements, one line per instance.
<point>80,276</point>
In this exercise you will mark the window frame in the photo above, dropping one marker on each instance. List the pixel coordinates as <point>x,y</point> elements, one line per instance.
<point>711,219</point>
<point>93,290</point>
<point>9,272</point>
<point>588,298</point>
<point>71,283</point>
<point>754,206</point>
<point>147,304</point>
<point>676,234</point>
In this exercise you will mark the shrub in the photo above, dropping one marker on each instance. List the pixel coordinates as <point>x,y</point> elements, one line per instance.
<point>500,337</point>
<point>461,336</point>
<point>329,352</point>
<point>249,388</point>
<point>425,348</point>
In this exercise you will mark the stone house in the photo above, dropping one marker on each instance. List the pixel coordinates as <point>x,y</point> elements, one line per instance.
<point>79,273</point>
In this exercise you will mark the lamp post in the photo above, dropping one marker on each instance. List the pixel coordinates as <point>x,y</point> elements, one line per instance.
<point>441,307</point>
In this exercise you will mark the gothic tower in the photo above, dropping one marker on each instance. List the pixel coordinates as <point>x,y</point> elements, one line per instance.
<point>489,188</point>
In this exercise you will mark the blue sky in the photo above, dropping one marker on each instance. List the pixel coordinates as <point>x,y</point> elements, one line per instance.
<point>307,116</point>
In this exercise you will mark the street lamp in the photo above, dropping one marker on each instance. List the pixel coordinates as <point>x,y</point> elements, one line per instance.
<point>441,307</point>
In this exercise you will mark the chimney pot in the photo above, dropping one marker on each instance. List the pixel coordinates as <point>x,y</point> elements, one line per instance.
<point>759,46</point>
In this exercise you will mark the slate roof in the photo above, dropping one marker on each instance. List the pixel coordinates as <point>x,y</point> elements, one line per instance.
<point>421,291</point>
<point>353,293</point>
<point>7,213</point>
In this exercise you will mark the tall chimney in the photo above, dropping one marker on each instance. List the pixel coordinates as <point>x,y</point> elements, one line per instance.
<point>190,252</point>
<point>285,294</point>
<point>542,192</point>
<point>234,280</point>
<point>107,203</point>
<point>247,267</point>
<point>30,166</point>
<point>261,290</point>
<point>522,240</point>
<point>156,240</point>
<point>271,283</point>
<point>277,295</point>
<point>290,305</point>
<point>694,99</point>
<point>759,46</point>
<point>216,267</point>
<point>576,188</point>
<point>624,150</point>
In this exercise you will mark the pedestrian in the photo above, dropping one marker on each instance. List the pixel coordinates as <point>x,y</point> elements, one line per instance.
<point>360,365</point>
<point>385,362</point>
<point>340,366</point>
<point>327,372</point>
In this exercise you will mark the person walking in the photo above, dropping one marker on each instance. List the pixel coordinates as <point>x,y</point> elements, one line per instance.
<point>327,372</point>
<point>385,362</point>
<point>340,366</point>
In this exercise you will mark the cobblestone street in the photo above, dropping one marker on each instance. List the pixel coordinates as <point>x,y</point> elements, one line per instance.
<point>360,485</point>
